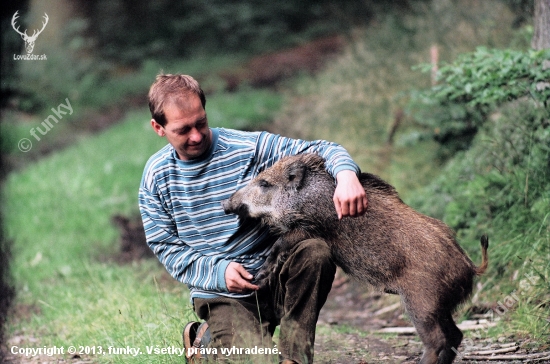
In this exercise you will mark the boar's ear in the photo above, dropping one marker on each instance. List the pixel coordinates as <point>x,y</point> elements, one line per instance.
<point>296,173</point>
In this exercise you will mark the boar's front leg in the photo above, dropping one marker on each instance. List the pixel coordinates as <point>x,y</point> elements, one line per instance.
<point>273,263</point>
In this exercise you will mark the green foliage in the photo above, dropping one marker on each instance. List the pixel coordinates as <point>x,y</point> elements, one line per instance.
<point>11,133</point>
<point>487,78</point>
<point>493,105</point>
<point>473,86</point>
<point>501,186</point>
<point>359,98</point>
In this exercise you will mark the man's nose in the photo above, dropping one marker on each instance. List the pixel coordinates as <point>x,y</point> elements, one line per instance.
<point>195,135</point>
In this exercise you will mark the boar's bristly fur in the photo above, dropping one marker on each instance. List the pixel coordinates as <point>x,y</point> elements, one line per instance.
<point>392,246</point>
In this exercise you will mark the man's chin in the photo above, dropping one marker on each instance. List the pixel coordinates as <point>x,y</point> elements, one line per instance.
<point>191,153</point>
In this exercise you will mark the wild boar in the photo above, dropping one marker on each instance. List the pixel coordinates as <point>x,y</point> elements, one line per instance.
<point>392,246</point>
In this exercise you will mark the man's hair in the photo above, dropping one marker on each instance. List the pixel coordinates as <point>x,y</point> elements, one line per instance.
<point>169,88</point>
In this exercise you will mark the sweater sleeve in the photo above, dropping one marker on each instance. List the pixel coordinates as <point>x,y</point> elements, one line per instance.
<point>272,147</point>
<point>184,263</point>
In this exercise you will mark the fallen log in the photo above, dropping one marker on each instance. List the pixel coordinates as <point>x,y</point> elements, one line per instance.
<point>510,349</point>
<point>538,356</point>
<point>390,308</point>
<point>412,330</point>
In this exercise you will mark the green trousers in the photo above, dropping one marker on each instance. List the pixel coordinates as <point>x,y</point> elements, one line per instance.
<point>293,300</point>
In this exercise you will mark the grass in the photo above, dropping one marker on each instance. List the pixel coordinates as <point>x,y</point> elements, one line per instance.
<point>246,109</point>
<point>58,214</point>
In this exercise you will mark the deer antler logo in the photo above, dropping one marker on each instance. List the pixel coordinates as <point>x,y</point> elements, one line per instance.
<point>29,41</point>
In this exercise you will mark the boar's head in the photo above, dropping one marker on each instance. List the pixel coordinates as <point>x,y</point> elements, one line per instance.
<point>283,195</point>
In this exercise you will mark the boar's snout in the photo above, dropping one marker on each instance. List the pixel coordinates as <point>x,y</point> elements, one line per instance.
<point>231,207</point>
<point>227,206</point>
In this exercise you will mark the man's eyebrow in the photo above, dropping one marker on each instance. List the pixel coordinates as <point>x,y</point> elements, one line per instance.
<point>179,129</point>
<point>199,120</point>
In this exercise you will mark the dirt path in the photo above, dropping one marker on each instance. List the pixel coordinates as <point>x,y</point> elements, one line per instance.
<point>346,323</point>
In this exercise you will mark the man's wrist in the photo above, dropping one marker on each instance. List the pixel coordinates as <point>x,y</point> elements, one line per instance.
<point>220,279</point>
<point>345,174</point>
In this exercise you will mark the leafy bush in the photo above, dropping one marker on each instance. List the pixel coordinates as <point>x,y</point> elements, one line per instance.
<point>472,86</point>
<point>493,104</point>
<point>501,186</point>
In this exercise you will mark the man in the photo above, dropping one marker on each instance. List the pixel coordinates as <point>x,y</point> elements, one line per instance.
<point>216,254</point>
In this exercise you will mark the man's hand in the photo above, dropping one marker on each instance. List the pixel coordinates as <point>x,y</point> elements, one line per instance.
<point>349,198</point>
<point>237,279</point>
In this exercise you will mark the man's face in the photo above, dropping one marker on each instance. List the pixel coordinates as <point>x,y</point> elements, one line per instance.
<point>186,127</point>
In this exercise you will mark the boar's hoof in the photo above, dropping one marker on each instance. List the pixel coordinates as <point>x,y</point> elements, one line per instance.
<point>263,283</point>
<point>271,268</point>
<point>281,259</point>
<point>261,276</point>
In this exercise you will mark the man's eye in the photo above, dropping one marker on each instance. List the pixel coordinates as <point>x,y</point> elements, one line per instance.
<point>264,183</point>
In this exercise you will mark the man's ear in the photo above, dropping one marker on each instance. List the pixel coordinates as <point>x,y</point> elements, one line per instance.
<point>159,129</point>
<point>296,174</point>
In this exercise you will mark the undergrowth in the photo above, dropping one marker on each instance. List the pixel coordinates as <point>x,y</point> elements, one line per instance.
<point>493,105</point>
<point>361,97</point>
<point>501,186</point>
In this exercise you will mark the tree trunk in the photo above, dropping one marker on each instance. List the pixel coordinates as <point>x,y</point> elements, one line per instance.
<point>60,13</point>
<point>541,36</point>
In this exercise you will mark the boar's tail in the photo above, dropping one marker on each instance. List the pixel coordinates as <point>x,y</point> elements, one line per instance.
<point>484,258</point>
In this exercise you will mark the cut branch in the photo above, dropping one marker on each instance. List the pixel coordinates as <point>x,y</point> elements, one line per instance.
<point>539,356</point>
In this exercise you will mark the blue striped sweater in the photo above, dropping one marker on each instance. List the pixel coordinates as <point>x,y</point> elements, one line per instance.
<point>180,204</point>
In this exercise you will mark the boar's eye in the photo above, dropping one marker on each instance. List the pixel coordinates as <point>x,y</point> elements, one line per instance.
<point>263,183</point>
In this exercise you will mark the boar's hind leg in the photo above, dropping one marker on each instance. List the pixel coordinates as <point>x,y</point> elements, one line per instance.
<point>432,338</point>
<point>439,335</point>
<point>453,336</point>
